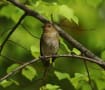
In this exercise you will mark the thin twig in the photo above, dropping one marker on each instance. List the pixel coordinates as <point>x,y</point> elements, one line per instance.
<point>101,63</point>
<point>87,70</point>
<point>11,32</point>
<point>17,69</point>
<point>19,45</point>
<point>11,59</point>
<point>29,11</point>
<point>26,29</point>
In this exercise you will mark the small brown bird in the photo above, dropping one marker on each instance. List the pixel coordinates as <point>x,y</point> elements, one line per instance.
<point>49,43</point>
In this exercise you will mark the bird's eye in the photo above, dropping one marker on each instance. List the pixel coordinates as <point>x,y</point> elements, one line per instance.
<point>49,26</point>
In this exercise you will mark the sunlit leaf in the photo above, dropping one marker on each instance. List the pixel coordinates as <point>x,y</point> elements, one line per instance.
<point>50,87</point>
<point>15,82</point>
<point>12,67</point>
<point>76,51</point>
<point>61,76</point>
<point>35,51</point>
<point>67,13</point>
<point>29,72</point>
<point>77,78</point>
<point>10,9</point>
<point>58,11</point>
<point>64,47</point>
<point>103,55</point>
<point>6,83</point>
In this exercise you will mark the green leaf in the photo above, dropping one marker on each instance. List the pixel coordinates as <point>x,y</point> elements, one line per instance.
<point>61,76</point>
<point>50,87</point>
<point>6,83</point>
<point>57,10</point>
<point>77,78</point>
<point>64,46</point>
<point>15,82</point>
<point>29,72</point>
<point>76,51</point>
<point>12,67</point>
<point>67,13</point>
<point>103,55</point>
<point>13,12</point>
<point>35,51</point>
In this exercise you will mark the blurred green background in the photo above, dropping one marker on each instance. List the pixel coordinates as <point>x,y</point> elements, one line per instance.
<point>82,19</point>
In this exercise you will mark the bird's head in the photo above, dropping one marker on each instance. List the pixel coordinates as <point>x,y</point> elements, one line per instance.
<point>48,27</point>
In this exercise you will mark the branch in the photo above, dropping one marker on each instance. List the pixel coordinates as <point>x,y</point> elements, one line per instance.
<point>26,29</point>
<point>88,73</point>
<point>19,45</point>
<point>65,35</point>
<point>10,33</point>
<point>101,63</point>
<point>17,69</point>
<point>29,11</point>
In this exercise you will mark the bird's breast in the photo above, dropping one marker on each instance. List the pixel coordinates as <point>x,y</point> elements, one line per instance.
<point>50,43</point>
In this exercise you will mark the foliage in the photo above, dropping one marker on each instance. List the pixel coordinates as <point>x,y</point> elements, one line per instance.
<point>29,72</point>
<point>83,19</point>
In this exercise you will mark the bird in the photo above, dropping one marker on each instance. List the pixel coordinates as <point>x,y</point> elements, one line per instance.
<point>49,43</point>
